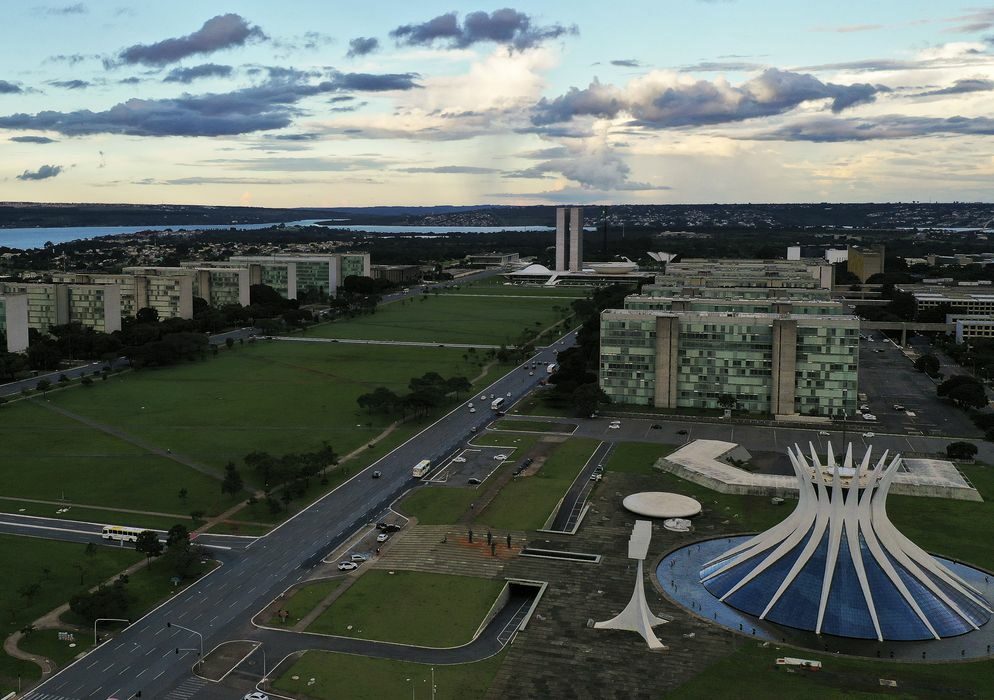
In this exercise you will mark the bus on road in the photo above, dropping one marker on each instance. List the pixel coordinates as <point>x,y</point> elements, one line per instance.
<point>421,468</point>
<point>497,403</point>
<point>121,533</point>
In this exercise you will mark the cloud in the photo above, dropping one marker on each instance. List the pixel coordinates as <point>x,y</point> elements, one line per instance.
<point>77,8</point>
<point>72,58</point>
<point>849,28</point>
<point>626,63</point>
<point>220,32</point>
<point>310,136</point>
<point>976,21</point>
<point>32,139</point>
<point>42,173</point>
<point>960,87</point>
<point>133,80</point>
<point>7,88</point>
<point>506,27</point>
<point>70,84</point>
<point>268,106</point>
<point>451,170</point>
<point>362,45</point>
<point>722,67</point>
<point>204,70</point>
<point>662,100</point>
<point>341,98</point>
<point>892,126</point>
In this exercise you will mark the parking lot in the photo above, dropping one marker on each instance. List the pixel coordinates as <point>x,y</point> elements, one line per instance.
<point>471,463</point>
<point>888,377</point>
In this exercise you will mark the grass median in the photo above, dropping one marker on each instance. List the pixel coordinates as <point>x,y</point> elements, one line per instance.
<point>409,607</point>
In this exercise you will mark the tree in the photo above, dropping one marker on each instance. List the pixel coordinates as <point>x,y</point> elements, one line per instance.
<point>727,401</point>
<point>148,544</point>
<point>953,382</point>
<point>458,385</point>
<point>28,591</point>
<point>929,364</point>
<point>232,480</point>
<point>43,386</point>
<point>229,342</point>
<point>971,395</point>
<point>961,450</point>
<point>587,397</point>
<point>106,601</point>
<point>177,534</point>
<point>147,315</point>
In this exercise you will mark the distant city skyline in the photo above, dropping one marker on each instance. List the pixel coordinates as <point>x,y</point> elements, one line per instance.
<point>309,103</point>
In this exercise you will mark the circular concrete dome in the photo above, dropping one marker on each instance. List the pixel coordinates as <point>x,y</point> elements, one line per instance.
<point>612,268</point>
<point>659,504</point>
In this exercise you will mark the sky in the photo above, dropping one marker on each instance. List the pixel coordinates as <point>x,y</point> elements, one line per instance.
<point>315,103</point>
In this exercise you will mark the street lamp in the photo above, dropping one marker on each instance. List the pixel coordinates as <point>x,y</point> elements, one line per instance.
<point>200,660</point>
<point>105,619</point>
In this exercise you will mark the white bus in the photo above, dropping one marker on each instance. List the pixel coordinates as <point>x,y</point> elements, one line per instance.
<point>421,468</point>
<point>121,533</point>
<point>551,368</point>
<point>497,403</point>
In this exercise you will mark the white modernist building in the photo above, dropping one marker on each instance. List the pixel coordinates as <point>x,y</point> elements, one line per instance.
<point>837,565</point>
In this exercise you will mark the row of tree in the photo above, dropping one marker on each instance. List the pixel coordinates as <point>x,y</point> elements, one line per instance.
<point>427,392</point>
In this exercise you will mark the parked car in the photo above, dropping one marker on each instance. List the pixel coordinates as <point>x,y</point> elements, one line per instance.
<point>377,474</point>
<point>869,416</point>
<point>681,432</point>
<point>869,435</point>
<point>346,566</point>
<point>473,480</point>
<point>824,433</point>
<point>389,527</point>
<point>255,695</point>
<point>500,457</point>
<point>460,460</point>
<point>614,426</point>
<point>359,557</point>
<point>382,537</point>
<point>898,407</point>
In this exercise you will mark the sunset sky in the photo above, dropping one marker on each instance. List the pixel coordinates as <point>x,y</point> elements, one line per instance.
<point>320,103</point>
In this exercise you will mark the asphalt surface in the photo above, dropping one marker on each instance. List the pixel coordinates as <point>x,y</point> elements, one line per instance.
<point>887,377</point>
<point>84,532</point>
<point>572,503</point>
<point>143,657</point>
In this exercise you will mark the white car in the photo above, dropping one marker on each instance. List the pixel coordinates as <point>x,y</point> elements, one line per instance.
<point>359,557</point>
<point>509,394</point>
<point>614,426</point>
<point>483,398</point>
<point>345,566</point>
<point>500,457</point>
<point>869,435</point>
<point>472,410</point>
<point>459,460</point>
<point>255,695</point>
<point>382,537</point>
<point>824,433</point>
<point>869,416</point>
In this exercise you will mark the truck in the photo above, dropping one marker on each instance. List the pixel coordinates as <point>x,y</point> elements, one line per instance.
<point>421,468</point>
<point>552,367</point>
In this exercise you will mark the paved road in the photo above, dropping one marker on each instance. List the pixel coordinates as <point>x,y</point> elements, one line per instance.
<point>143,656</point>
<point>85,532</point>
<point>576,496</point>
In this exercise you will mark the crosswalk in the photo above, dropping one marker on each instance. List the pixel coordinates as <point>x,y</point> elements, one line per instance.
<point>185,690</point>
<point>34,695</point>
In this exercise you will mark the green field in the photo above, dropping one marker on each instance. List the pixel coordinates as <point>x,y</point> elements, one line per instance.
<point>447,319</point>
<point>96,515</point>
<point>375,679</point>
<point>636,457</point>
<point>56,568</point>
<point>304,599</point>
<point>410,607</point>
<point>47,643</point>
<point>753,667</point>
<point>527,502</point>
<point>496,285</point>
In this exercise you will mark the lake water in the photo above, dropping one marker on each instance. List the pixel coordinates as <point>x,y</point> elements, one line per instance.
<point>25,238</point>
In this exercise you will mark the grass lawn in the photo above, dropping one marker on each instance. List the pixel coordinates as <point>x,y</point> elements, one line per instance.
<point>364,678</point>
<point>527,502</point>
<point>47,643</point>
<point>304,599</point>
<point>448,319</point>
<point>535,426</point>
<point>533,405</point>
<point>636,457</point>
<point>410,607</point>
<point>439,505</point>
<point>753,667</point>
<point>54,567</point>
<point>95,515</point>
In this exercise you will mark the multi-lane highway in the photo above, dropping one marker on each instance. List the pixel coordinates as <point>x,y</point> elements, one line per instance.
<point>143,657</point>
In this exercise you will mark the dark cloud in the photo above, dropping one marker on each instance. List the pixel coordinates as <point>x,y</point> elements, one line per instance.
<point>269,106</point>
<point>362,45</point>
<point>626,63</point>
<point>722,66</point>
<point>961,86</point>
<point>70,84</point>
<point>204,70</point>
<point>893,126</point>
<point>311,136</point>
<point>8,88</point>
<point>451,170</point>
<point>71,58</point>
<point>220,32</point>
<point>770,93</point>
<point>868,65</point>
<point>42,173</point>
<point>133,80</point>
<point>506,26</point>
<point>341,98</point>
<point>600,169</point>
<point>32,139</point>
<point>348,108</point>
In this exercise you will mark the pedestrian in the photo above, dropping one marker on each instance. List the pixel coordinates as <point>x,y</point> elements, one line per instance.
<point>471,535</point>
<point>490,537</point>
<point>493,549</point>
<point>509,540</point>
